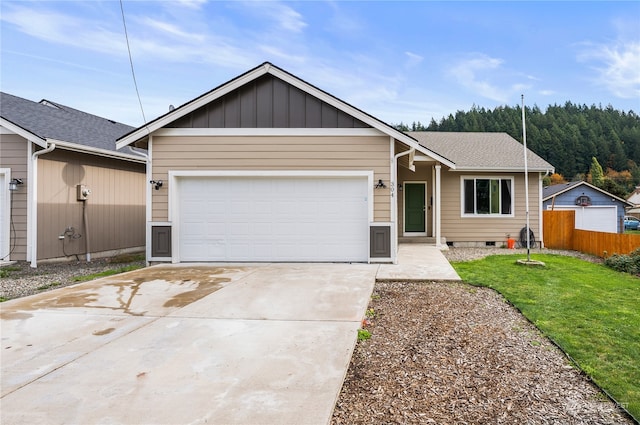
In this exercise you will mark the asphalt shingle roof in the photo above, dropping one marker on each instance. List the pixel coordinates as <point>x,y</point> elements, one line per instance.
<point>557,188</point>
<point>50,120</point>
<point>480,151</point>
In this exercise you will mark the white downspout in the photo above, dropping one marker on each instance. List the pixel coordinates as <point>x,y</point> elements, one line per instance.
<point>33,237</point>
<point>148,195</point>
<point>394,210</point>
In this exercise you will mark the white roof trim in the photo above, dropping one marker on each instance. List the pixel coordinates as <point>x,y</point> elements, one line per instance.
<point>583,183</point>
<point>60,144</point>
<point>503,169</point>
<point>268,68</point>
<point>23,133</point>
<point>349,132</point>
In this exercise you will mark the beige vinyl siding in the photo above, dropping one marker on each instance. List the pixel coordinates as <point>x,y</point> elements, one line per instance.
<point>488,229</point>
<point>115,208</point>
<point>271,153</point>
<point>14,155</point>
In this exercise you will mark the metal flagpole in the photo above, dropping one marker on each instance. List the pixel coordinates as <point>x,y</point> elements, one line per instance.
<point>526,179</point>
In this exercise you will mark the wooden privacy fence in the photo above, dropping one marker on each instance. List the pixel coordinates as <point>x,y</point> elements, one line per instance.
<point>560,233</point>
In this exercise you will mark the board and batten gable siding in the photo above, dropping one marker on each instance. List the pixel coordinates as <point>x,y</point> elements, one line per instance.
<point>14,155</point>
<point>369,153</point>
<point>488,229</point>
<point>115,207</point>
<point>268,102</point>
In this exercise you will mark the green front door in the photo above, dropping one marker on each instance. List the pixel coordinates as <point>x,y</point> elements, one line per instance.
<point>414,207</point>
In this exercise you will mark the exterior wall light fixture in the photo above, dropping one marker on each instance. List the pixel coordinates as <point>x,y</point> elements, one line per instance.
<point>157,183</point>
<point>380,184</point>
<point>13,184</point>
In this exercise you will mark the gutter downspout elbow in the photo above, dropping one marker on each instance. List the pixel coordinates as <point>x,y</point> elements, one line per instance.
<point>34,202</point>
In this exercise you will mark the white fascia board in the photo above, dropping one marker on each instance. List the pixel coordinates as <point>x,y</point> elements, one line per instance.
<point>334,132</point>
<point>191,106</point>
<point>499,170</point>
<point>583,183</point>
<point>23,133</point>
<point>97,151</point>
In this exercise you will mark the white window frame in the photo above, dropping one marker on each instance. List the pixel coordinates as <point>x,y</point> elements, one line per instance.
<point>490,215</point>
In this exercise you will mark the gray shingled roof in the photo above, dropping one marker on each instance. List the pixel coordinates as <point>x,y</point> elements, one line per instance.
<point>50,120</point>
<point>480,151</point>
<point>557,188</point>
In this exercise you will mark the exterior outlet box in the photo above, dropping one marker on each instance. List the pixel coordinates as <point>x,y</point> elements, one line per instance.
<point>82,192</point>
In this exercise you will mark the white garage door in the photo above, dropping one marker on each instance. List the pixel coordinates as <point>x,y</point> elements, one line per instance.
<point>273,219</point>
<point>596,218</point>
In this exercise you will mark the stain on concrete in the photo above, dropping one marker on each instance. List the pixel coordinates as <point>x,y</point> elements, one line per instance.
<point>104,331</point>
<point>128,287</point>
<point>14,315</point>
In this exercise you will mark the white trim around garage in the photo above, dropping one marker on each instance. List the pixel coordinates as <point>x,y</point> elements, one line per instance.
<point>176,175</point>
<point>5,214</point>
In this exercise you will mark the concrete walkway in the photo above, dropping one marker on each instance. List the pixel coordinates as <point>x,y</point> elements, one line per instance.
<point>418,262</point>
<point>190,344</point>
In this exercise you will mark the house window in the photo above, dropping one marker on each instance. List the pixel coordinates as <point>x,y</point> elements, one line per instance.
<point>487,196</point>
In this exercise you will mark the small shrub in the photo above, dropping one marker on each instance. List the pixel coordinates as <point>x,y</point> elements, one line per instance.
<point>363,334</point>
<point>625,263</point>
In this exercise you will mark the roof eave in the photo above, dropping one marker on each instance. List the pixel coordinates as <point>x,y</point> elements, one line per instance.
<point>583,183</point>
<point>504,169</point>
<point>61,144</point>
<point>22,132</point>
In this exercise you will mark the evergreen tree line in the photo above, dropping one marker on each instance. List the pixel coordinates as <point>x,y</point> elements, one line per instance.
<point>567,136</point>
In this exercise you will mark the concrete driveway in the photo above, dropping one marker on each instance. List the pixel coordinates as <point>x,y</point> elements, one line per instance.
<point>185,344</point>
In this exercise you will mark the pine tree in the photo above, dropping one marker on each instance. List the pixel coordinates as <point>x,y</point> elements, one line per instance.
<point>597,175</point>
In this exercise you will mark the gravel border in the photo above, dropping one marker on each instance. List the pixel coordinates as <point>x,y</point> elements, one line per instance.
<point>23,280</point>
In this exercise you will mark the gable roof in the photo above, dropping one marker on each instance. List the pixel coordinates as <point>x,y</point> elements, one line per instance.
<point>634,198</point>
<point>143,132</point>
<point>558,189</point>
<point>69,128</point>
<point>481,151</point>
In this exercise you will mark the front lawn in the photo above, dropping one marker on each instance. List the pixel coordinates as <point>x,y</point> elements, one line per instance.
<point>589,310</point>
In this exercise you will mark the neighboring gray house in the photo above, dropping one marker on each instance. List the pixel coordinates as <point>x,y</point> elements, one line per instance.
<point>596,209</point>
<point>267,167</point>
<point>53,156</point>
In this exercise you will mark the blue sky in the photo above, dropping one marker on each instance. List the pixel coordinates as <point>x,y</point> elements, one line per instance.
<point>399,61</point>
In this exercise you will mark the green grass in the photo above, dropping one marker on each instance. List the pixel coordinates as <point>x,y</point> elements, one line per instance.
<point>48,286</point>
<point>6,271</point>
<point>106,273</point>
<point>589,310</point>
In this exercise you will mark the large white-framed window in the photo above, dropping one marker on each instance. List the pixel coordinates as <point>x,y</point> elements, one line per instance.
<point>487,196</point>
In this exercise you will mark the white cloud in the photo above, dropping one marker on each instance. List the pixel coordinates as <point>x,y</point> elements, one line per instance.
<point>413,58</point>
<point>547,92</point>
<point>172,29</point>
<point>64,29</point>
<point>192,4</point>
<point>617,67</point>
<point>285,17</point>
<point>479,72</point>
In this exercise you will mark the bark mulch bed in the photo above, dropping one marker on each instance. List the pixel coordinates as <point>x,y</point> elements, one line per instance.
<point>450,353</point>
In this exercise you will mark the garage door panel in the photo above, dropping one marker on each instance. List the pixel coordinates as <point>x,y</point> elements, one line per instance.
<point>594,218</point>
<point>273,219</point>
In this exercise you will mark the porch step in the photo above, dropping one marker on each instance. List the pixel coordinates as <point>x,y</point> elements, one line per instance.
<point>420,239</point>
